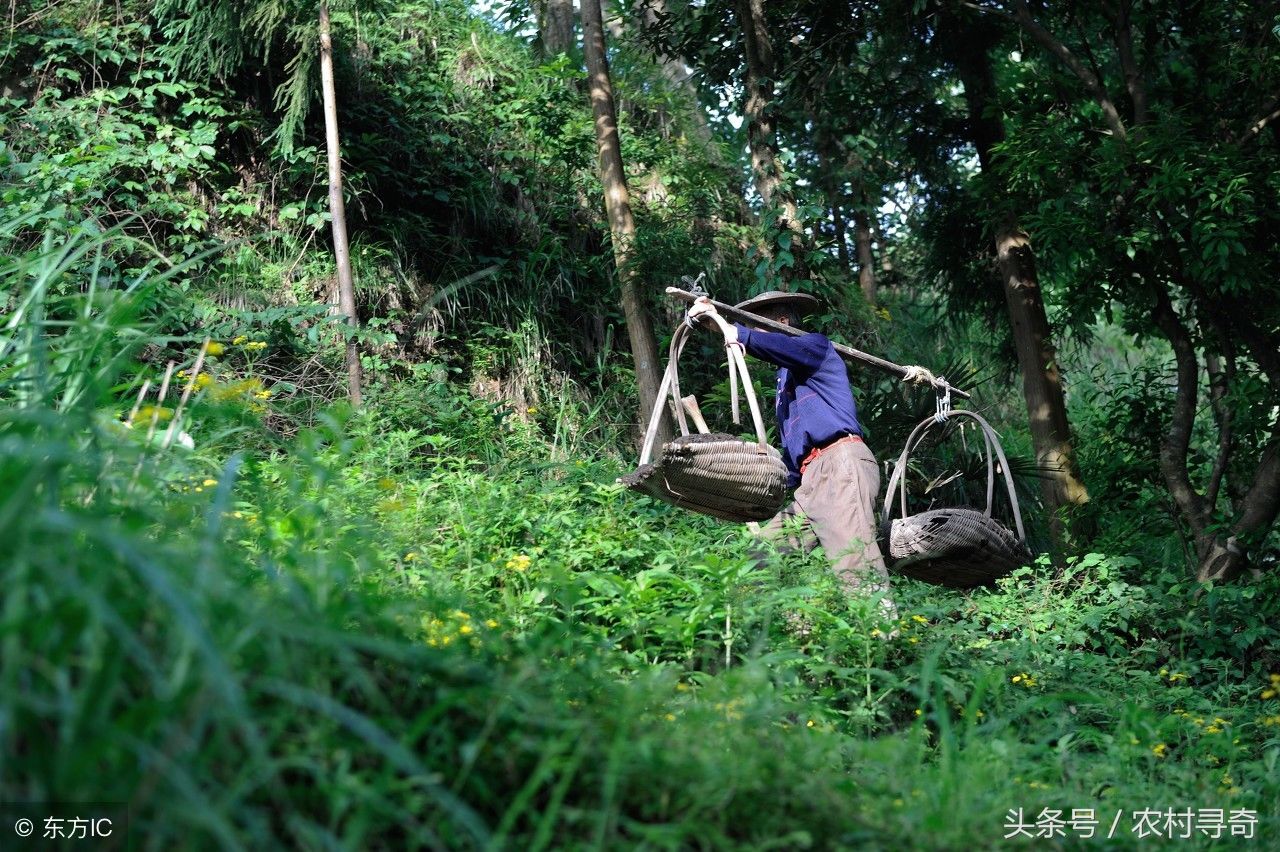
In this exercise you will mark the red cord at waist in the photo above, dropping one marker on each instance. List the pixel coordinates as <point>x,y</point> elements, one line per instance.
<point>817,451</point>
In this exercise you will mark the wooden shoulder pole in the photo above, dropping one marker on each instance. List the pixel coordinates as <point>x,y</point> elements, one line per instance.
<point>848,353</point>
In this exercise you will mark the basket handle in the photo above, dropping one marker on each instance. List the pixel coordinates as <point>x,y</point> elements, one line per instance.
<point>734,351</point>
<point>668,377</point>
<point>993,447</point>
<point>671,387</point>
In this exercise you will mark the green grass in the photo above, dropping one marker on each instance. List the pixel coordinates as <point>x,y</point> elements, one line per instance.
<point>420,626</point>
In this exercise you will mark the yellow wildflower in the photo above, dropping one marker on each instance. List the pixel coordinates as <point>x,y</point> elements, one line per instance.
<point>670,717</point>
<point>159,413</point>
<point>215,349</point>
<point>809,724</point>
<point>533,409</point>
<point>491,624</point>
<point>256,346</point>
<point>464,629</point>
<point>203,381</point>
<point>919,619</point>
<point>914,640</point>
<point>1275,679</point>
<point>519,562</point>
<point>1268,693</point>
<point>1017,678</point>
<point>1213,729</point>
<point>919,711</point>
<point>410,556</point>
<point>209,482</point>
<point>1159,749</point>
<point>239,339</point>
<point>1177,676</point>
<point>386,483</point>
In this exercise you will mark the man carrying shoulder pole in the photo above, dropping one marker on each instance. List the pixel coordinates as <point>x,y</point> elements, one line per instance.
<point>834,473</point>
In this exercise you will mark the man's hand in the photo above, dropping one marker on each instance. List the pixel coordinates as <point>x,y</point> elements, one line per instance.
<point>705,313</point>
<point>702,308</point>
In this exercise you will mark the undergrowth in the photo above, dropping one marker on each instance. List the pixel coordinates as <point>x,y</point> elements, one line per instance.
<point>423,624</point>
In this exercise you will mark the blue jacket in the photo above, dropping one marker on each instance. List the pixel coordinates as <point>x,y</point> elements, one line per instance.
<point>815,402</point>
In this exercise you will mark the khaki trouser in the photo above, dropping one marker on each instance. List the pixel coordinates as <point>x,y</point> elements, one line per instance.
<point>835,507</point>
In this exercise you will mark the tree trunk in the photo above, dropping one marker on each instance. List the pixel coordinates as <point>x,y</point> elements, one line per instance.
<point>1063,489</point>
<point>840,228</point>
<point>337,209</point>
<point>1221,550</point>
<point>617,202</point>
<point>824,148</point>
<point>886,259</point>
<point>555,26</point>
<point>866,263</point>
<point>758,111</point>
<point>674,68</point>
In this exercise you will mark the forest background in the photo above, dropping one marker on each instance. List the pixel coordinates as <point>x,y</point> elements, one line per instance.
<point>303,555</point>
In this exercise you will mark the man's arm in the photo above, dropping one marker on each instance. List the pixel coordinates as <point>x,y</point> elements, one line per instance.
<point>805,352</point>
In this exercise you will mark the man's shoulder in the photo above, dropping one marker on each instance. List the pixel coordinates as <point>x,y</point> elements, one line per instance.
<point>817,341</point>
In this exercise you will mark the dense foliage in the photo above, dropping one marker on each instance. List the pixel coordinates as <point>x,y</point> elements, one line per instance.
<point>262,617</point>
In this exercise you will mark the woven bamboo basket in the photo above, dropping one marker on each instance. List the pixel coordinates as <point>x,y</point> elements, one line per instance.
<point>711,472</point>
<point>960,547</point>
